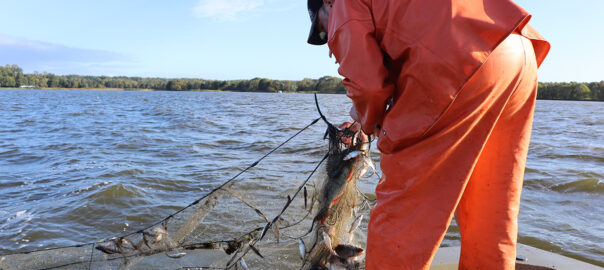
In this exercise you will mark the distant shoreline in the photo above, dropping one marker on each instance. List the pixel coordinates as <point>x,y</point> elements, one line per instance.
<point>119,89</point>
<point>85,89</point>
<point>148,89</point>
<point>12,76</point>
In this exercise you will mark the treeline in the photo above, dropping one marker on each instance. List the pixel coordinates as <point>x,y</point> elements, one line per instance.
<point>13,76</point>
<point>571,91</point>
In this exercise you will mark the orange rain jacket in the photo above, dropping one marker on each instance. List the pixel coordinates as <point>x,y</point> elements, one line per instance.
<point>416,56</point>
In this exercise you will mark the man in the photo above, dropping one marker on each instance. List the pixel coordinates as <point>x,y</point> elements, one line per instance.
<point>449,87</point>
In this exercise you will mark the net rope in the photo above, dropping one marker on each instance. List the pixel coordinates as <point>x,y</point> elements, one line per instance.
<point>191,238</point>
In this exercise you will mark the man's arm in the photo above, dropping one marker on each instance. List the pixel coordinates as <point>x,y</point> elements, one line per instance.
<point>352,41</point>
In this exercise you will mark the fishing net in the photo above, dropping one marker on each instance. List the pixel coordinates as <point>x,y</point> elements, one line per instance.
<point>230,227</point>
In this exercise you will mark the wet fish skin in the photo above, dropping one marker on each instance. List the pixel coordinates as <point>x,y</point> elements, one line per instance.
<point>356,223</point>
<point>353,154</point>
<point>337,267</point>
<point>368,164</point>
<point>333,191</point>
<point>337,263</point>
<point>333,188</point>
<point>327,242</point>
<point>158,233</point>
<point>340,172</point>
<point>232,246</point>
<point>348,251</point>
<point>125,243</point>
<point>338,197</point>
<point>176,255</point>
<point>145,234</point>
<point>140,244</point>
<point>243,264</point>
<point>302,248</point>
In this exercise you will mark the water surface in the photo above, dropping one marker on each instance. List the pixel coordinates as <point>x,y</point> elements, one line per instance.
<point>77,166</point>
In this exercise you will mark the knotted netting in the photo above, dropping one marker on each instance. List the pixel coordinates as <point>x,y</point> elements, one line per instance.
<point>232,226</point>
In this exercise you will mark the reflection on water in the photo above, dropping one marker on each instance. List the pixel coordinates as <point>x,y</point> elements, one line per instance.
<point>77,166</point>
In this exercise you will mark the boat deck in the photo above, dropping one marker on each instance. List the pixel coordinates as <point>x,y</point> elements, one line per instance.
<point>536,259</point>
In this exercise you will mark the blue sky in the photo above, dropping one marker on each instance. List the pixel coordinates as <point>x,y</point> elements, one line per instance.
<point>235,39</point>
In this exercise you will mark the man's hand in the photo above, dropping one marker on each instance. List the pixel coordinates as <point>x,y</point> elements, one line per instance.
<point>355,128</point>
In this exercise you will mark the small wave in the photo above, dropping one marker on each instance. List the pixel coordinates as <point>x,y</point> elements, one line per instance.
<point>585,185</point>
<point>201,147</point>
<point>228,141</point>
<point>10,153</point>
<point>112,192</point>
<point>536,184</point>
<point>130,172</point>
<point>258,147</point>
<point>148,130</point>
<point>581,157</point>
<point>12,130</point>
<point>310,150</point>
<point>122,173</point>
<point>55,146</point>
<point>57,129</point>
<point>20,216</point>
<point>25,159</point>
<point>93,187</point>
<point>63,147</point>
<point>10,184</point>
<point>24,122</point>
<point>130,146</point>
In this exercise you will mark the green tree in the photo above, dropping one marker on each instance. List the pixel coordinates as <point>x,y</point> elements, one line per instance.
<point>332,85</point>
<point>264,85</point>
<point>176,85</point>
<point>306,85</point>
<point>581,92</point>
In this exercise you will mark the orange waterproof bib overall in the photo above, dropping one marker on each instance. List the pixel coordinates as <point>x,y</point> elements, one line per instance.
<point>472,159</point>
<point>450,86</point>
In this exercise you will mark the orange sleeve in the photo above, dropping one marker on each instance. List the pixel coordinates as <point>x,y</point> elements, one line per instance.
<point>361,63</point>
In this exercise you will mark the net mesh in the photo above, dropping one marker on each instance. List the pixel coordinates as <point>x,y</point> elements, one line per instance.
<point>231,227</point>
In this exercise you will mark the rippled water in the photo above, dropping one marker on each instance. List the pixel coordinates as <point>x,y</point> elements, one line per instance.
<point>77,166</point>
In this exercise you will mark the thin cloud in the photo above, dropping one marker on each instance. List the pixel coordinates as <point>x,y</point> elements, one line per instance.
<point>44,56</point>
<point>225,9</point>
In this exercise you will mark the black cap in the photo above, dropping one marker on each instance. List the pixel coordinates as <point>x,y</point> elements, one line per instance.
<point>315,37</point>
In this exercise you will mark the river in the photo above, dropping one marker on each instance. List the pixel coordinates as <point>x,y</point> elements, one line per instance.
<point>77,166</point>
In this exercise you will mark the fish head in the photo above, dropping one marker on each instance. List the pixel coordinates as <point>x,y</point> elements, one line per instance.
<point>348,251</point>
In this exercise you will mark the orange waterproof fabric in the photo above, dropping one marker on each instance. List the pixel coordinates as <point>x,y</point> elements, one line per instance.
<point>452,85</point>
<point>416,55</point>
<point>471,160</point>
